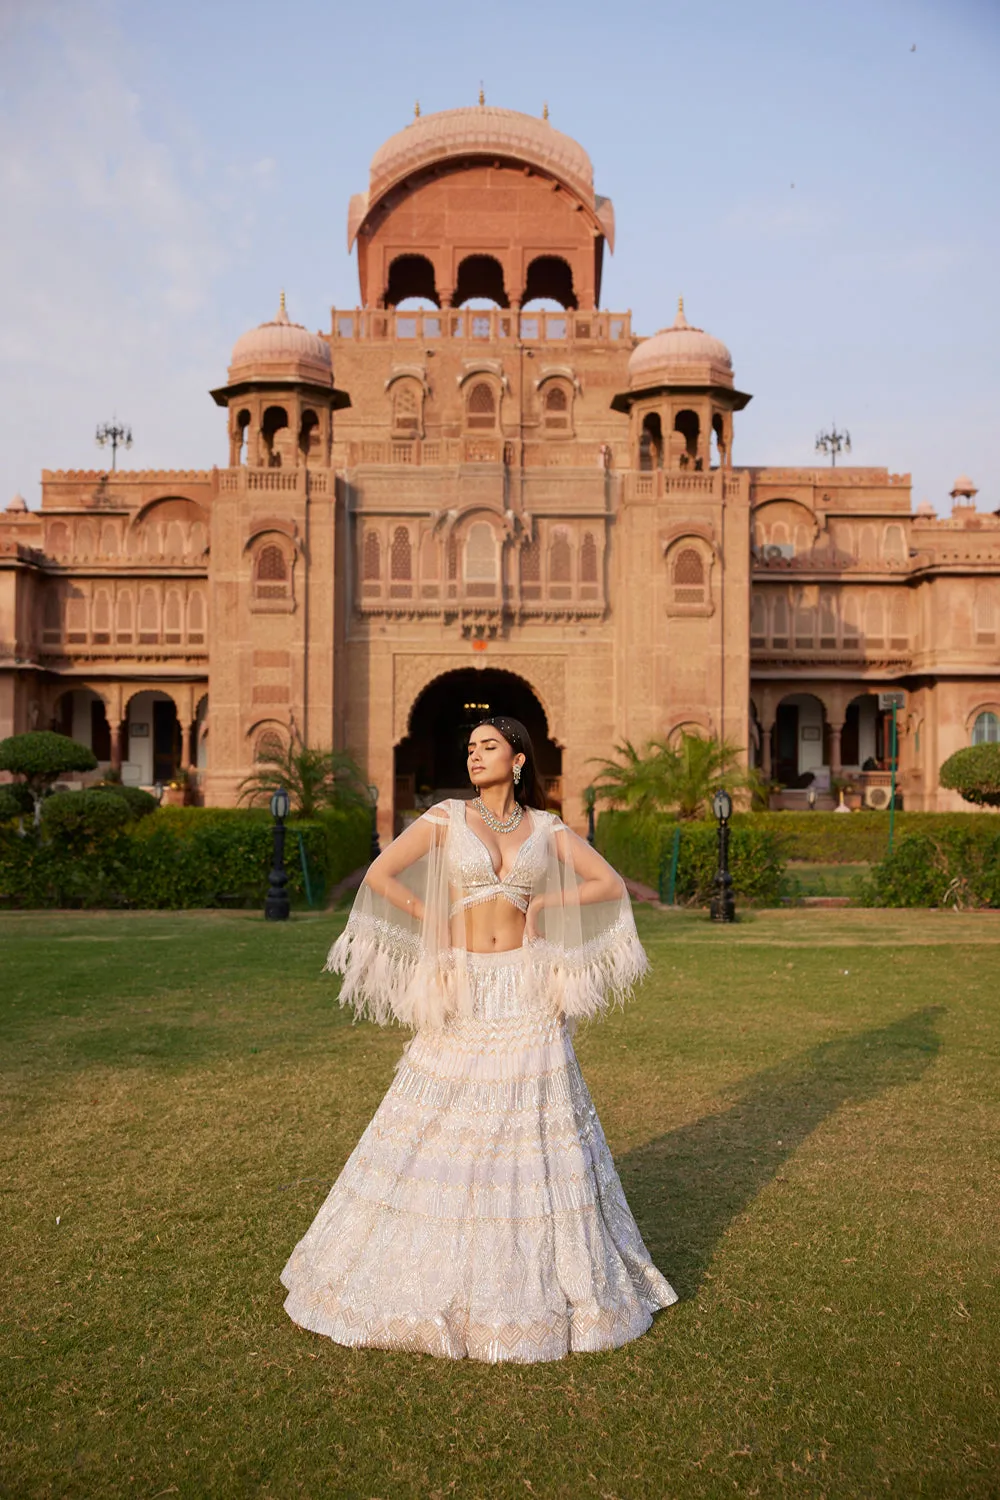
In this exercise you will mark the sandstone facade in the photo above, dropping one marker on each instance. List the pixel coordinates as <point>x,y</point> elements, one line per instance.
<point>480,488</point>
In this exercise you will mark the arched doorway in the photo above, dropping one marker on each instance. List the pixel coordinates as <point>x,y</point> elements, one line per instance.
<point>799,741</point>
<point>430,761</point>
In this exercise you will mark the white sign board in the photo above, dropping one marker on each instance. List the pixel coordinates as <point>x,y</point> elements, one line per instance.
<point>891,700</point>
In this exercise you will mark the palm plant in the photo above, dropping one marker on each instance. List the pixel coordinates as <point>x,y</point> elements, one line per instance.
<point>679,776</point>
<point>313,778</point>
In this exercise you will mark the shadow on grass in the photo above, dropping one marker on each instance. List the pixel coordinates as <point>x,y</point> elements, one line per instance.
<point>686,1187</point>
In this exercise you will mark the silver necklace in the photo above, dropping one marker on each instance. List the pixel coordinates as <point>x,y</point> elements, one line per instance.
<point>498,825</point>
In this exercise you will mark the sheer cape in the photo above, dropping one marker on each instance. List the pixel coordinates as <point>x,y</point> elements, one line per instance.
<point>397,966</point>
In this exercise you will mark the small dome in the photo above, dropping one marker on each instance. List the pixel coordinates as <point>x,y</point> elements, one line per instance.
<point>680,355</point>
<point>925,508</point>
<point>17,504</point>
<point>282,349</point>
<point>963,486</point>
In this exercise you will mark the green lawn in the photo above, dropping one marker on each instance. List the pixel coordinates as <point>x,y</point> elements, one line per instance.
<point>804,1111</point>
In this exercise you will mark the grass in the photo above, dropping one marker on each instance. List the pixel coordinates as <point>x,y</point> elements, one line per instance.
<point>803,1109</point>
<point>806,878</point>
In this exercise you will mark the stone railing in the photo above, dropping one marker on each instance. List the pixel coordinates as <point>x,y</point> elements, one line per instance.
<point>661,484</point>
<point>287,481</point>
<point>485,325</point>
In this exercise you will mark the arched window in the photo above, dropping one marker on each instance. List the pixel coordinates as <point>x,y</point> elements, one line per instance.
<point>481,561</point>
<point>271,573</point>
<point>779,623</point>
<point>109,539</point>
<point>805,624</point>
<point>172,619</point>
<point>651,442</point>
<point>851,618</point>
<point>531,570</point>
<point>372,559</point>
<point>899,623</point>
<point>270,746</point>
<point>689,577</point>
<point>688,425</point>
<point>560,560</point>
<point>406,408</point>
<point>51,616</point>
<point>868,546</point>
<point>482,409</point>
<point>241,430</point>
<point>58,540</point>
<point>85,540</point>
<point>874,620</point>
<point>76,617</point>
<point>123,618</point>
<point>986,729</point>
<point>149,618</point>
<point>309,437</point>
<point>199,539</point>
<point>196,618</point>
<point>175,540</point>
<point>894,544</point>
<point>102,618</point>
<point>274,432</point>
<point>758,619</point>
<point>401,564</point>
<point>588,559</point>
<point>827,621</point>
<point>556,409</point>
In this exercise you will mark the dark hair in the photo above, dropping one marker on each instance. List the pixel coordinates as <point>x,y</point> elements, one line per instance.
<point>528,791</point>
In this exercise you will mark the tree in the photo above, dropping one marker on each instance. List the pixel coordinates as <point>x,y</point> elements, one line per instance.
<point>680,776</point>
<point>312,778</point>
<point>974,773</point>
<point>41,757</point>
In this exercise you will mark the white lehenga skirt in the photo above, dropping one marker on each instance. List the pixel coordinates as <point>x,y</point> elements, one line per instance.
<point>480,1214</point>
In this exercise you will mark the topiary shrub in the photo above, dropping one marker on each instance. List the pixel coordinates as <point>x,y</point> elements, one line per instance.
<point>41,757</point>
<point>81,819</point>
<point>974,773</point>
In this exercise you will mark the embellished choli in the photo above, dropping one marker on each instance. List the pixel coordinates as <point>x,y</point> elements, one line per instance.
<point>480,1214</point>
<point>471,870</point>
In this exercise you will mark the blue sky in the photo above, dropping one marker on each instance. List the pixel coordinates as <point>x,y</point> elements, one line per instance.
<point>825,198</point>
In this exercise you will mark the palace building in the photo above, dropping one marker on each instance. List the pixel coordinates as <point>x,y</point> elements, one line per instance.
<point>481,488</point>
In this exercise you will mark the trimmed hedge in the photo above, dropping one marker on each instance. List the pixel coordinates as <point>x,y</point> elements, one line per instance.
<point>954,867</point>
<point>856,838</point>
<point>90,855</point>
<point>641,848</point>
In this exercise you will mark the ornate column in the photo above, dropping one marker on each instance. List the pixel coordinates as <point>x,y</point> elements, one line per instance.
<point>836,730</point>
<point>766,731</point>
<point>116,746</point>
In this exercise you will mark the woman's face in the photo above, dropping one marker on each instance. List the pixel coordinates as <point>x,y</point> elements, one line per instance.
<point>491,757</point>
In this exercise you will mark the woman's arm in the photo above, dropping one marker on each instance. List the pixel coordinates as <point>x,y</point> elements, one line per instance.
<point>595,879</point>
<point>412,844</point>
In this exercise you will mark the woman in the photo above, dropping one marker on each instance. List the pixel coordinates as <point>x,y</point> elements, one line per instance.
<point>480,1214</point>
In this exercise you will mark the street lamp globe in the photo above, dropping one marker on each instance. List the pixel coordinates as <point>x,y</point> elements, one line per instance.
<point>373,795</point>
<point>722,805</point>
<point>280,804</point>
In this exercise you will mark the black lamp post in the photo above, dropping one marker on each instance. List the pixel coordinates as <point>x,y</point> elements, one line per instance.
<point>373,799</point>
<point>723,907</point>
<point>590,802</point>
<point>276,907</point>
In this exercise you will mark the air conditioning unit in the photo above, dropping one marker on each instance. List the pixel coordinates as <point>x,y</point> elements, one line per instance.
<point>778,551</point>
<point>878,797</point>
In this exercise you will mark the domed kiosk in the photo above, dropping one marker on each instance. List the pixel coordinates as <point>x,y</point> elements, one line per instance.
<point>280,395</point>
<point>680,396</point>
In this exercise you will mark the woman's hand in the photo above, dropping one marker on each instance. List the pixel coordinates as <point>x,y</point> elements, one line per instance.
<point>531,932</point>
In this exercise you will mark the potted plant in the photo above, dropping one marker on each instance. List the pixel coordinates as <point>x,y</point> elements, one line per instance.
<point>175,792</point>
<point>851,794</point>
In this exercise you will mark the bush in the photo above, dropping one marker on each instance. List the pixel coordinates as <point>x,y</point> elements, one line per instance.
<point>975,774</point>
<point>91,853</point>
<point>15,801</point>
<point>140,803</point>
<point>956,867</point>
<point>856,838</point>
<point>641,848</point>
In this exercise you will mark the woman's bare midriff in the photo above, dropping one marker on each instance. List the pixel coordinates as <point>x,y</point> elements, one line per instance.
<point>488,927</point>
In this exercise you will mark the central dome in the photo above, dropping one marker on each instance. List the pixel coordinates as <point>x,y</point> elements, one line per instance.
<point>282,349</point>
<point>680,355</point>
<point>482,130</point>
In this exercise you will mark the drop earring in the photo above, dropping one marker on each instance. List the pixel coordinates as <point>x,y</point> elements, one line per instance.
<point>517,774</point>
